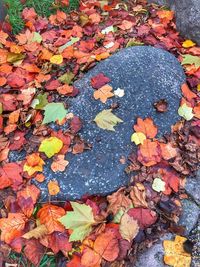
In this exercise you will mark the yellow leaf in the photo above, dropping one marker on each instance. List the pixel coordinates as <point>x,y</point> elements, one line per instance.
<point>128,227</point>
<point>103,93</point>
<point>198,87</point>
<point>56,59</point>
<point>33,164</point>
<point>175,255</point>
<point>50,146</point>
<point>37,232</point>
<point>188,44</point>
<point>138,138</point>
<point>53,188</point>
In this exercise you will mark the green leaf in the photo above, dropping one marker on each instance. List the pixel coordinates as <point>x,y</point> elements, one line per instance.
<point>66,78</point>
<point>107,120</point>
<point>185,112</point>
<point>40,101</point>
<point>53,112</point>
<point>50,146</point>
<point>80,220</point>
<point>71,42</point>
<point>189,60</point>
<point>133,43</point>
<point>37,37</point>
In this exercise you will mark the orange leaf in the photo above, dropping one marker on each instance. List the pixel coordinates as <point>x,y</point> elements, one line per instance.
<point>107,246</point>
<point>40,177</point>
<point>2,81</point>
<point>147,127</point>
<point>12,226</point>
<point>10,174</point>
<point>126,25</point>
<point>65,89</point>
<point>103,55</point>
<point>187,93</point>
<point>149,153</point>
<point>197,111</point>
<point>103,93</point>
<point>53,188</point>
<point>34,163</point>
<point>49,215</point>
<point>90,258</point>
<point>59,164</point>
<point>168,151</point>
<point>14,116</point>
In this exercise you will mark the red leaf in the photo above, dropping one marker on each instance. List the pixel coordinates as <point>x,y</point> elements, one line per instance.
<point>34,251</point>
<point>15,81</point>
<point>75,124</point>
<point>99,80</point>
<point>17,141</point>
<point>75,262</point>
<point>145,217</point>
<point>52,85</point>
<point>11,172</point>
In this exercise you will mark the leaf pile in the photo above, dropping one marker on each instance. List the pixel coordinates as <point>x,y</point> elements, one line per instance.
<point>37,70</point>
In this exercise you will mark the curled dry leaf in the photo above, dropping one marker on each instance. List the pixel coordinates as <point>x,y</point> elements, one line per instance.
<point>161,105</point>
<point>128,227</point>
<point>138,195</point>
<point>37,232</point>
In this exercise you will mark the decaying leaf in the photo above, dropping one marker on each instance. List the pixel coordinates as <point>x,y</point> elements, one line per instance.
<point>138,195</point>
<point>107,120</point>
<point>37,232</point>
<point>80,220</point>
<point>128,227</point>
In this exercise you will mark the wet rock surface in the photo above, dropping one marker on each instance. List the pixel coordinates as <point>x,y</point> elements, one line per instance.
<point>147,75</point>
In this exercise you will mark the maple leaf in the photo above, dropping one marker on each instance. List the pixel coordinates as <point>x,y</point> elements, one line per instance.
<point>80,220</point>
<point>107,120</point>
<point>34,163</point>
<point>34,251</point>
<point>37,232</point>
<point>59,164</point>
<point>103,93</point>
<point>189,60</point>
<point>146,127</point>
<point>185,112</point>
<point>49,215</point>
<point>145,217</point>
<point>175,255</point>
<point>12,226</point>
<point>53,188</point>
<point>138,138</point>
<point>50,146</point>
<point>128,227</point>
<point>53,112</point>
<point>99,80</point>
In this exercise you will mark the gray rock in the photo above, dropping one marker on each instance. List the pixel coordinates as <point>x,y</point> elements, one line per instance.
<point>192,187</point>
<point>168,3</point>
<point>146,74</point>
<point>153,257</point>
<point>190,215</point>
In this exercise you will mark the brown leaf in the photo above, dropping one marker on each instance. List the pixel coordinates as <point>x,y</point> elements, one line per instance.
<point>37,232</point>
<point>128,227</point>
<point>138,195</point>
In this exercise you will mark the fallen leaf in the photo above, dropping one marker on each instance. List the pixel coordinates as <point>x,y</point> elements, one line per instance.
<point>107,120</point>
<point>138,138</point>
<point>189,60</point>
<point>144,217</point>
<point>53,188</point>
<point>34,163</point>
<point>50,146</point>
<point>34,251</point>
<point>185,112</point>
<point>37,232</point>
<point>99,80</point>
<point>138,196</point>
<point>53,112</point>
<point>147,127</point>
<point>103,93</point>
<point>56,59</point>
<point>158,185</point>
<point>161,105</point>
<point>49,215</point>
<point>149,153</point>
<point>188,44</point>
<point>80,220</point>
<point>175,255</point>
<point>128,227</point>
<point>90,258</point>
<point>59,164</point>
<point>119,92</point>
<point>188,94</point>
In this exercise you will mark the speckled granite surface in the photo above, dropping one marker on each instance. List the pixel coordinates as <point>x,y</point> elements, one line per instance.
<point>147,75</point>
